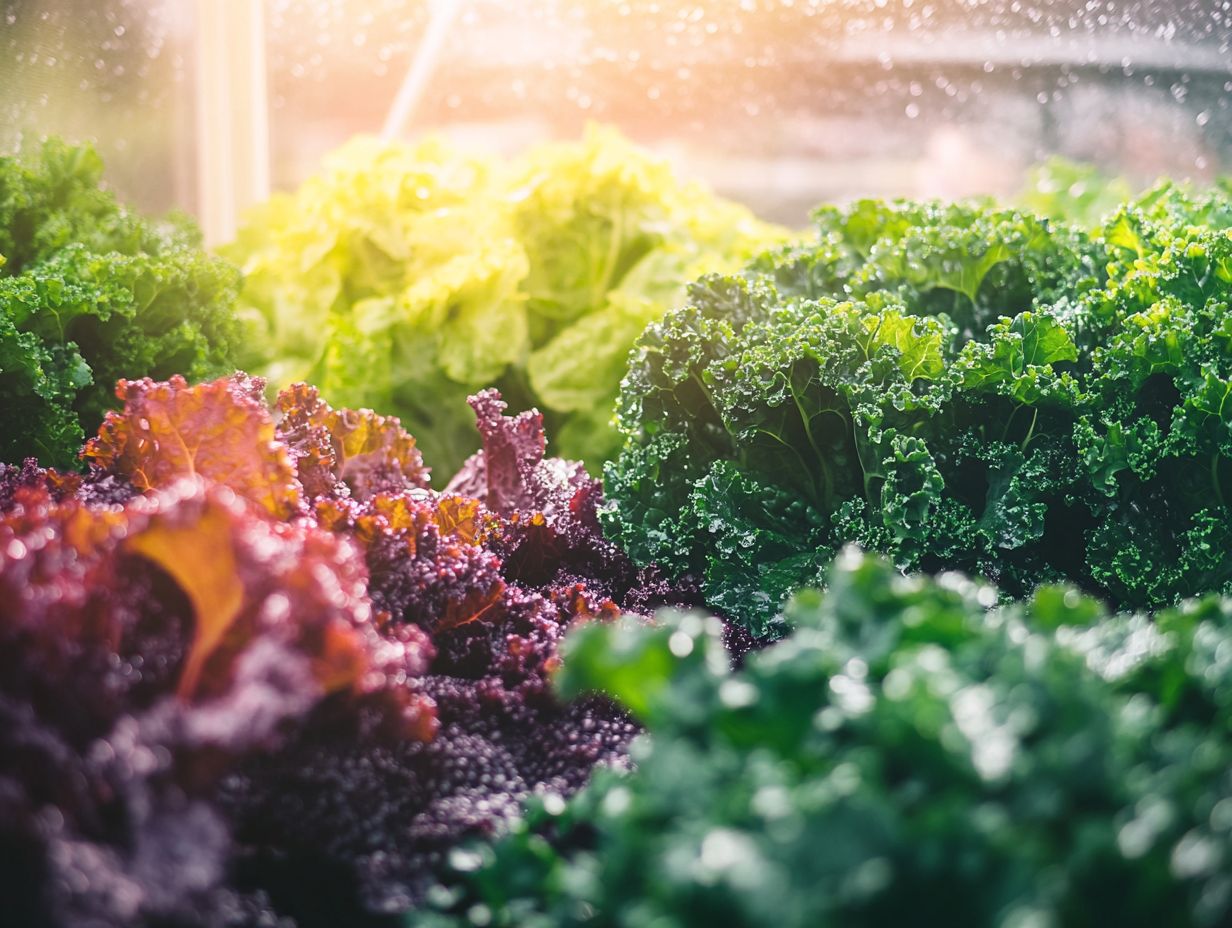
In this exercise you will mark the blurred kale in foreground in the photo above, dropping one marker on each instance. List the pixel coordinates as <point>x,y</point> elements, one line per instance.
<point>907,755</point>
<point>90,293</point>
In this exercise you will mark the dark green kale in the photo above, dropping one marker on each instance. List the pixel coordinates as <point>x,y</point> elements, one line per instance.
<point>90,293</point>
<point>960,387</point>
<point>905,756</point>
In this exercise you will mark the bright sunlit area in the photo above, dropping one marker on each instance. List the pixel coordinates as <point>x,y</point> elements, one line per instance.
<point>777,103</point>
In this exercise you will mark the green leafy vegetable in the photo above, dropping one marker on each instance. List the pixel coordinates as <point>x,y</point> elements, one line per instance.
<point>961,387</point>
<point>405,277</point>
<point>90,293</point>
<point>906,756</point>
<point>1068,190</point>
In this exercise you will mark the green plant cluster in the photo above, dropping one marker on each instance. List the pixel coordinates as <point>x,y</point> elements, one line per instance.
<point>368,676</point>
<point>405,277</point>
<point>905,756</point>
<point>959,386</point>
<point>91,293</point>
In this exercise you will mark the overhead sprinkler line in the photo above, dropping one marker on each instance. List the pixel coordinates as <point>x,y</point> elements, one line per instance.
<point>423,64</point>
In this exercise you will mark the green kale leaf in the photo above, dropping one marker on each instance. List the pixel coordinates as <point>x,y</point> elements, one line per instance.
<point>906,755</point>
<point>91,293</point>
<point>960,387</point>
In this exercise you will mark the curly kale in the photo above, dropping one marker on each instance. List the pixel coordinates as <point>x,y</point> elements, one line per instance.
<point>90,293</point>
<point>254,672</point>
<point>960,387</point>
<point>905,756</point>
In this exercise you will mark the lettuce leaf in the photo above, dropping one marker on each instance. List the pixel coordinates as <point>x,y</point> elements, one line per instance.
<point>405,277</point>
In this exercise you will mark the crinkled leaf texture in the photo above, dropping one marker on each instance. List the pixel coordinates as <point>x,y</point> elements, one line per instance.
<point>254,671</point>
<point>90,293</point>
<point>960,387</point>
<point>1043,760</point>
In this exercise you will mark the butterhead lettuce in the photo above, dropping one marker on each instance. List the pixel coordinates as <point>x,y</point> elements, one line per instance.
<point>404,277</point>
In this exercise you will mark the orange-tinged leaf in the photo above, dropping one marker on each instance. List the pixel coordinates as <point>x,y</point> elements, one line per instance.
<point>87,530</point>
<point>393,515</point>
<point>401,513</point>
<point>221,431</point>
<point>471,607</point>
<point>369,453</point>
<point>333,515</point>
<point>341,660</point>
<point>461,517</point>
<point>63,485</point>
<point>200,557</point>
<point>247,577</point>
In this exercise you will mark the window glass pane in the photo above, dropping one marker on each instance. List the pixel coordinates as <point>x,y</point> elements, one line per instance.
<point>780,103</point>
<point>111,71</point>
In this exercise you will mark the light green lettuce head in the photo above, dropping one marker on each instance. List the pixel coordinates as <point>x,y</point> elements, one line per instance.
<point>405,277</point>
